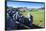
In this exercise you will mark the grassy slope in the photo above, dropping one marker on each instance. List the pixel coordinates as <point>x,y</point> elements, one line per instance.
<point>38,16</point>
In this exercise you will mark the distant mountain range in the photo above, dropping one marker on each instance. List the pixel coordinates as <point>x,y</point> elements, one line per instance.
<point>42,8</point>
<point>22,8</point>
<point>25,8</point>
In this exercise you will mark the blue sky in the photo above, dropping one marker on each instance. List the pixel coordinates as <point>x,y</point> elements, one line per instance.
<point>24,4</point>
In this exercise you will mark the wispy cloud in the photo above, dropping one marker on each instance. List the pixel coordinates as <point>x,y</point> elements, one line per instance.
<point>24,4</point>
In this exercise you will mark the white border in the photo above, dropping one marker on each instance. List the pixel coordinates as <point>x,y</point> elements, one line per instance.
<point>2,16</point>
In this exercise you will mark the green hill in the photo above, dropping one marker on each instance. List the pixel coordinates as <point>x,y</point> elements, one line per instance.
<point>38,16</point>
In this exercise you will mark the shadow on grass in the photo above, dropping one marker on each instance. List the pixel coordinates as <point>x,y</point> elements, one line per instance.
<point>33,27</point>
